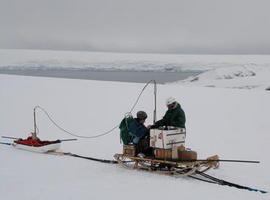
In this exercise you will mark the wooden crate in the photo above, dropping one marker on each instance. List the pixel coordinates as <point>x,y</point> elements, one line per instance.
<point>187,155</point>
<point>129,150</point>
<point>164,154</point>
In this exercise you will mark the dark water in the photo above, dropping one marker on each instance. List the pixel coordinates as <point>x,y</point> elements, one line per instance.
<point>124,76</point>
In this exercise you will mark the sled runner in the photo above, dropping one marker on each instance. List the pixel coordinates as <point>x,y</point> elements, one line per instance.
<point>168,167</point>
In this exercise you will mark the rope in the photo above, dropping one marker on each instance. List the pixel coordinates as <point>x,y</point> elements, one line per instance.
<point>95,136</point>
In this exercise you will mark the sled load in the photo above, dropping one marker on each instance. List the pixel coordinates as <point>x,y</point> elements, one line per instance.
<point>37,145</point>
<point>169,155</point>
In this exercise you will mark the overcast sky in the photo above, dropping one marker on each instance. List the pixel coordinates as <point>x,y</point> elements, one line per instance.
<point>159,26</point>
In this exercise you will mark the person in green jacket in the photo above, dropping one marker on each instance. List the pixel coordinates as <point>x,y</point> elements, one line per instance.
<point>175,115</point>
<point>132,130</point>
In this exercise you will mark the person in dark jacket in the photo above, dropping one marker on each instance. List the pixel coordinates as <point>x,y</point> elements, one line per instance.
<point>174,116</point>
<point>132,130</point>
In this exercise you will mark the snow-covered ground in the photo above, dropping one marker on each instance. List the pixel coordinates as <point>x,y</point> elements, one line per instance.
<point>232,123</point>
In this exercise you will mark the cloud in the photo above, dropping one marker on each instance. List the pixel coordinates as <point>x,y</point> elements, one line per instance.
<point>172,26</point>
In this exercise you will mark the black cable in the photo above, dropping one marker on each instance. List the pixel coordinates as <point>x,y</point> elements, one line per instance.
<point>200,179</point>
<point>93,159</point>
<point>223,182</point>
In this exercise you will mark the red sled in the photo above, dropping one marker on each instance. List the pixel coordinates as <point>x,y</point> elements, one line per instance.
<point>37,145</point>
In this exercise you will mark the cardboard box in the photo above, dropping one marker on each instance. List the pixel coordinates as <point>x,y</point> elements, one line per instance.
<point>167,139</point>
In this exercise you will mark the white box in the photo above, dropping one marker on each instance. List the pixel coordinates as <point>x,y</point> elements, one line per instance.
<point>167,139</point>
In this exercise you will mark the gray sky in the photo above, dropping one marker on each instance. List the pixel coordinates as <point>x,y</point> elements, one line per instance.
<point>159,26</point>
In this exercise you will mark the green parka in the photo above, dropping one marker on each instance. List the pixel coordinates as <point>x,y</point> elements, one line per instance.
<point>130,129</point>
<point>124,132</point>
<point>175,117</point>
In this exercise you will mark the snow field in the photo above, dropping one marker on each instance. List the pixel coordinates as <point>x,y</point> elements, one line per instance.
<point>230,123</point>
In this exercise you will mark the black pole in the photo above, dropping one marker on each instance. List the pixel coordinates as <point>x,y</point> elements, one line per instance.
<point>66,140</point>
<point>6,143</point>
<point>155,99</point>
<point>243,161</point>
<point>7,137</point>
<point>222,160</point>
<point>35,122</point>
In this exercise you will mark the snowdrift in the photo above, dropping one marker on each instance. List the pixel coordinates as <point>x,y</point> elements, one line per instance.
<point>239,77</point>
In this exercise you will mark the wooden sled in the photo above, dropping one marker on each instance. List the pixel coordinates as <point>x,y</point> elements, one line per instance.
<point>168,167</point>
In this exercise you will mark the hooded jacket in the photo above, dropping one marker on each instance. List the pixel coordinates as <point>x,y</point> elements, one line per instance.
<point>130,128</point>
<point>175,117</point>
